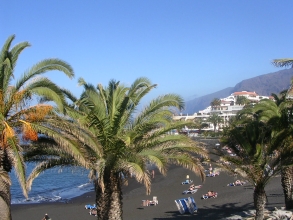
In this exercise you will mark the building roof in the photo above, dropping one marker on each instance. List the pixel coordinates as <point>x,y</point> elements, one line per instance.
<point>244,93</point>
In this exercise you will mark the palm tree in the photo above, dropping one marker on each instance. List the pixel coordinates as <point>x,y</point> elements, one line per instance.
<point>199,123</point>
<point>255,146</point>
<point>287,171</point>
<point>216,102</point>
<point>280,98</point>
<point>20,114</point>
<point>285,62</point>
<point>278,115</point>
<point>215,119</point>
<point>129,139</point>
<point>242,100</point>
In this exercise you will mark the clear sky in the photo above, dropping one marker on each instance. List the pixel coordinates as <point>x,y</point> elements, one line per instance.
<point>188,47</point>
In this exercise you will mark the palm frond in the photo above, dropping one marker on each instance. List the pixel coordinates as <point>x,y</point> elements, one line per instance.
<point>50,91</point>
<point>19,165</point>
<point>45,165</point>
<point>285,62</point>
<point>43,67</point>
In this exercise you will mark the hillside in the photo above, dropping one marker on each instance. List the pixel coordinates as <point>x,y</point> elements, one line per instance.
<point>263,85</point>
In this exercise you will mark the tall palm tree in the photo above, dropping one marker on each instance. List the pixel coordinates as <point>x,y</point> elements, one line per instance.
<point>215,119</point>
<point>21,114</point>
<point>278,116</point>
<point>287,171</point>
<point>117,141</point>
<point>255,146</point>
<point>215,102</point>
<point>280,98</point>
<point>242,100</point>
<point>199,123</point>
<point>129,139</point>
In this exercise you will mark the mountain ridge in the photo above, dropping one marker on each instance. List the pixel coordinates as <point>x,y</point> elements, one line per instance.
<point>265,85</point>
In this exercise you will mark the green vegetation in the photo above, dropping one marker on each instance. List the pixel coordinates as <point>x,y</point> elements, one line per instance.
<point>242,100</point>
<point>216,102</point>
<point>116,141</point>
<point>130,140</point>
<point>215,119</point>
<point>261,137</point>
<point>19,117</point>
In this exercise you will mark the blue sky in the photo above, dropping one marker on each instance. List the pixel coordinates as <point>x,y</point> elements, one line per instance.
<point>188,47</point>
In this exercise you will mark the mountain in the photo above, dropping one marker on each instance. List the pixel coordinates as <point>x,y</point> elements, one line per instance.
<point>263,85</point>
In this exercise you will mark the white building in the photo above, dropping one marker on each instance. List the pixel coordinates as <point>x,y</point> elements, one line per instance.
<point>226,109</point>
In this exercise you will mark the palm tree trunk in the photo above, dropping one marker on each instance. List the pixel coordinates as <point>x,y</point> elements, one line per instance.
<point>286,180</point>
<point>5,197</point>
<point>259,197</point>
<point>109,202</point>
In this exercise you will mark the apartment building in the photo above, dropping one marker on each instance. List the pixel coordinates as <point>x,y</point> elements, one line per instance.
<point>226,109</point>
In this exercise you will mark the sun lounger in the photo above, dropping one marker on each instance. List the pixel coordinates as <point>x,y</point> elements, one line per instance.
<point>182,205</point>
<point>179,206</point>
<point>187,182</point>
<point>192,205</point>
<point>155,200</point>
<point>90,206</point>
<point>189,191</point>
<point>150,203</point>
<point>186,205</point>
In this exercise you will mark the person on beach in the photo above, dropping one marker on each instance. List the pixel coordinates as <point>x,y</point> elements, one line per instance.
<point>211,169</point>
<point>236,183</point>
<point>210,194</point>
<point>196,187</point>
<point>46,217</point>
<point>191,188</point>
<point>153,173</point>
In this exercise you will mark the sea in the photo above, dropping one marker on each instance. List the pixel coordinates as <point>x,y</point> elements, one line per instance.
<point>56,184</point>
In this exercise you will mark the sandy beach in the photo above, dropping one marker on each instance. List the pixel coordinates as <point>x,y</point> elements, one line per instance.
<point>230,200</point>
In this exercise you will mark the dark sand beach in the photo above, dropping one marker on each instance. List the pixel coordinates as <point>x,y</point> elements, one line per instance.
<point>230,200</point>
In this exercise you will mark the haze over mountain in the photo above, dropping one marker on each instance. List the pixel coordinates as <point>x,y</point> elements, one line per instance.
<point>263,85</point>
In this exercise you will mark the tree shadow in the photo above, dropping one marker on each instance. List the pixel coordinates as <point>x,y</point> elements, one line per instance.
<point>216,212</point>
